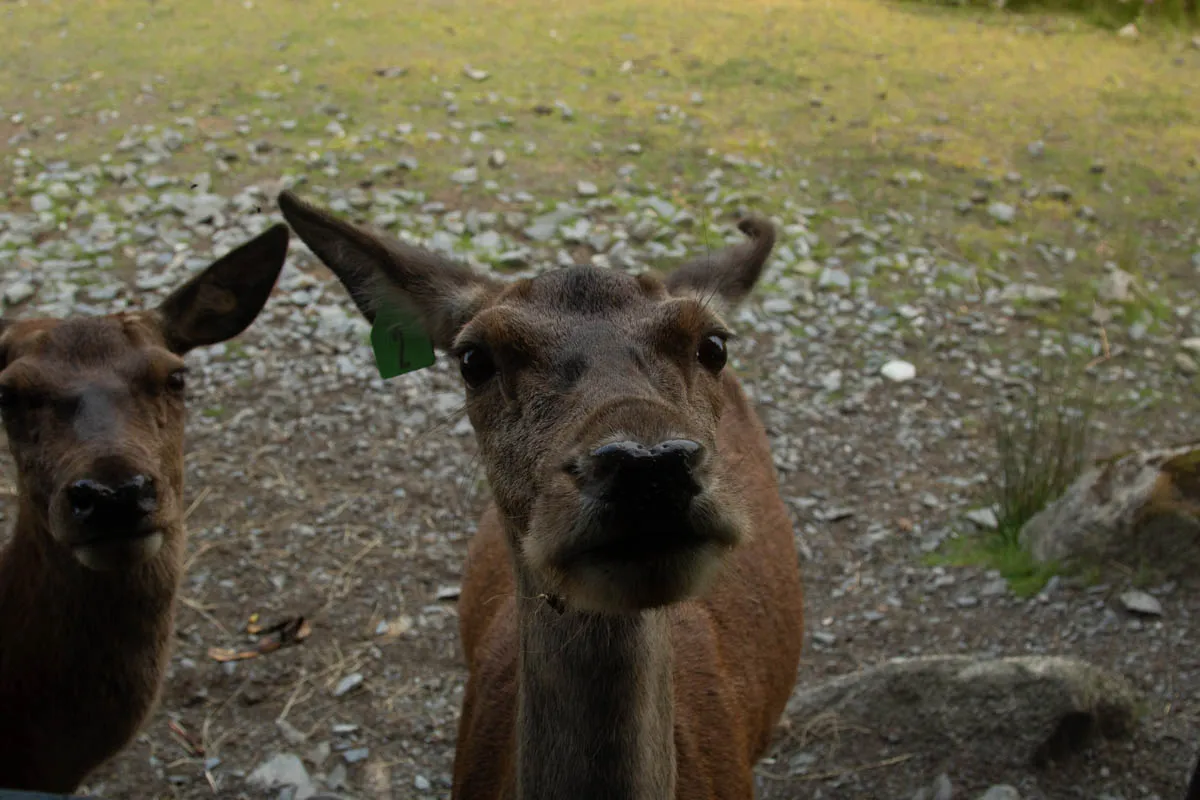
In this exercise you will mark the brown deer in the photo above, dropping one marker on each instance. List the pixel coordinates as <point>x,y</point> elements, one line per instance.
<point>631,612</point>
<point>94,412</point>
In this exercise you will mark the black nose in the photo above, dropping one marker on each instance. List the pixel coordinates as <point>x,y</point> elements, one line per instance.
<point>631,474</point>
<point>105,506</point>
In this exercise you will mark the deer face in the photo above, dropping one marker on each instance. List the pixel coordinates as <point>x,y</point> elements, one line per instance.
<point>595,397</point>
<point>94,408</point>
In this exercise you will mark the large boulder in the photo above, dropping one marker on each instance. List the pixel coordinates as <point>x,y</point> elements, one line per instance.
<point>1002,714</point>
<point>1140,509</point>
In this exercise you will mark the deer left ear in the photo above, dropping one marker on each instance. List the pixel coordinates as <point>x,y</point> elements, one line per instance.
<point>222,301</point>
<point>731,273</point>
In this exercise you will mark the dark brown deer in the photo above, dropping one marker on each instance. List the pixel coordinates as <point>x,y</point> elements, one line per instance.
<point>94,413</point>
<point>631,612</point>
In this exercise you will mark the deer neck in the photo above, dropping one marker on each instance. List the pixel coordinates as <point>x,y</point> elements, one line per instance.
<point>46,591</point>
<point>595,702</point>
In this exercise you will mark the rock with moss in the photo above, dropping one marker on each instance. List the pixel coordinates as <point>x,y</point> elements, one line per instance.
<point>997,713</point>
<point>1140,509</point>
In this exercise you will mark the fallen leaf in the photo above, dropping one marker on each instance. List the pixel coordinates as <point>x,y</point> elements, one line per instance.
<point>291,631</point>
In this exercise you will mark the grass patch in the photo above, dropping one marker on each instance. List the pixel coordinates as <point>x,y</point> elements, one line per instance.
<point>1110,13</point>
<point>1040,445</point>
<point>1025,576</point>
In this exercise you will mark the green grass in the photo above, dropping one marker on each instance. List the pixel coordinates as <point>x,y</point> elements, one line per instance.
<point>1111,13</point>
<point>1040,444</point>
<point>996,552</point>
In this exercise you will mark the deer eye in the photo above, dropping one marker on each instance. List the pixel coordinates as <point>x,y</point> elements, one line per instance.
<point>477,366</point>
<point>177,380</point>
<point>711,353</point>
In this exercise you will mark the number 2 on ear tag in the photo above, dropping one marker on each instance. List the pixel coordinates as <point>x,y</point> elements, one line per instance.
<point>399,343</point>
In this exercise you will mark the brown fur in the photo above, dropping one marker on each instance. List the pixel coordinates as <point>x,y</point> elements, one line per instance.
<point>83,649</point>
<point>597,671</point>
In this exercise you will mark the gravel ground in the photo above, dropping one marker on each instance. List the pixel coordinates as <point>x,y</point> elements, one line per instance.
<point>319,490</point>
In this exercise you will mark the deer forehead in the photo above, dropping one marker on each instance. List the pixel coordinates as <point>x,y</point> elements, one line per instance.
<point>589,308</point>
<point>128,345</point>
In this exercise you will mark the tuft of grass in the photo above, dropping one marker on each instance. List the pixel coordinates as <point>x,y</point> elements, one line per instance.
<point>1041,447</point>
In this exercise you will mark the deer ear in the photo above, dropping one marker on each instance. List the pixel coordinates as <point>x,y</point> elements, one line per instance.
<point>730,273</point>
<point>222,301</point>
<point>378,269</point>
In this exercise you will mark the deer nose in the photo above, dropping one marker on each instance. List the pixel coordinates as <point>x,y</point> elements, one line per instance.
<point>105,505</point>
<point>632,474</point>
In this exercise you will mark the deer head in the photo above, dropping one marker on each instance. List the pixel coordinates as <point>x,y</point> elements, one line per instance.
<point>94,407</point>
<point>595,397</point>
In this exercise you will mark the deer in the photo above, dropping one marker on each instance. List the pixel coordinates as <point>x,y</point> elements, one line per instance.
<point>94,411</point>
<point>631,606</point>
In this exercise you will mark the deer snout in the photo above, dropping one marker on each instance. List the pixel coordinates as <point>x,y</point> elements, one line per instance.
<point>116,508</point>
<point>631,474</point>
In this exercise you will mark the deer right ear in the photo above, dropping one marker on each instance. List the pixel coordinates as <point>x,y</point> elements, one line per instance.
<point>377,269</point>
<point>224,299</point>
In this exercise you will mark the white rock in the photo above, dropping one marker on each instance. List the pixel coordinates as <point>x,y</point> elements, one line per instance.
<point>1002,213</point>
<point>898,371</point>
<point>1001,792</point>
<point>17,293</point>
<point>1139,602</point>
<point>778,305</point>
<point>1192,344</point>
<point>984,518</point>
<point>1116,287</point>
<point>1129,31</point>
<point>587,189</point>
<point>348,683</point>
<point>282,771</point>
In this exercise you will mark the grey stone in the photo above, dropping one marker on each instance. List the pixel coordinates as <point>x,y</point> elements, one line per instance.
<point>942,788</point>
<point>348,684</point>
<point>1001,792</point>
<point>1139,602</point>
<point>1186,364</point>
<point>998,714</point>
<point>283,771</point>
<point>356,755</point>
<point>1139,508</point>
<point>1031,293</point>
<point>587,189</point>
<point>832,278</point>
<point>421,783</point>
<point>19,292</point>
<point>465,176</point>
<point>1003,213</point>
<point>984,518</point>
<point>41,203</point>
<point>497,159</point>
<point>476,74</point>
<point>1116,287</point>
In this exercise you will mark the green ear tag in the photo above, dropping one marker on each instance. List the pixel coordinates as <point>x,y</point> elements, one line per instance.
<point>399,343</point>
